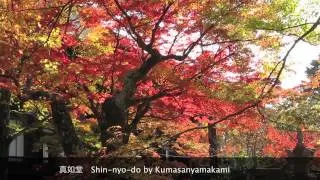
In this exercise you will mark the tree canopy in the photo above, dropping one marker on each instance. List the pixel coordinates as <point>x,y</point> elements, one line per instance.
<point>136,76</point>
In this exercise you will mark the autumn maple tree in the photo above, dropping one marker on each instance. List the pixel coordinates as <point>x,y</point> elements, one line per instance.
<point>88,69</point>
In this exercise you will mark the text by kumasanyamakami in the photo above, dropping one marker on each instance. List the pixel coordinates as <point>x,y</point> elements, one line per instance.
<point>203,170</point>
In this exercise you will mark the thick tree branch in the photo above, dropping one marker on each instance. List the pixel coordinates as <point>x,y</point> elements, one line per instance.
<point>167,92</point>
<point>142,109</point>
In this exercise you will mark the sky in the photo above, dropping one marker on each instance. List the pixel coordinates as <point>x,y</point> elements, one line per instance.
<point>298,60</point>
<point>302,55</point>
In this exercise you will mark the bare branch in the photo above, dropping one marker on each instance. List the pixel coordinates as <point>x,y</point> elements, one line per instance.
<point>229,41</point>
<point>138,38</point>
<point>210,66</point>
<point>174,41</point>
<point>284,59</point>
<point>174,137</point>
<point>289,27</point>
<point>156,26</point>
<point>191,46</point>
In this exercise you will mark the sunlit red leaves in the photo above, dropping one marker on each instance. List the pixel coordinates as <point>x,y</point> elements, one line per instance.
<point>247,122</point>
<point>80,110</point>
<point>7,84</point>
<point>231,149</point>
<point>146,89</point>
<point>99,97</point>
<point>280,142</point>
<point>92,16</point>
<point>69,41</point>
<point>193,144</point>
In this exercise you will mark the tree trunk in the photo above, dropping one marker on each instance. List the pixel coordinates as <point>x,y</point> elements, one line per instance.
<point>65,128</point>
<point>213,144</point>
<point>213,140</point>
<point>4,134</point>
<point>115,109</point>
<point>141,111</point>
<point>113,115</point>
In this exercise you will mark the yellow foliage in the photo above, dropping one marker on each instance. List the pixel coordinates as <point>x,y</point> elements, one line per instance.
<point>52,40</point>
<point>97,33</point>
<point>50,66</point>
<point>315,81</point>
<point>96,42</point>
<point>85,127</point>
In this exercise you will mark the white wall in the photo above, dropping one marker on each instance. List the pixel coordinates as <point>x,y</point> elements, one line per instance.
<point>16,147</point>
<point>45,152</point>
